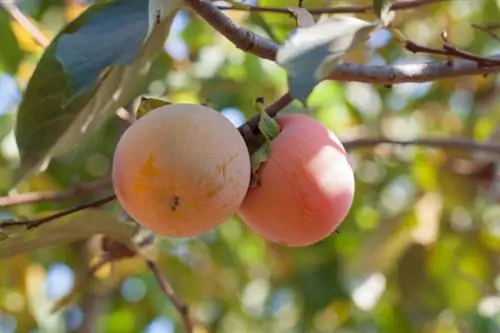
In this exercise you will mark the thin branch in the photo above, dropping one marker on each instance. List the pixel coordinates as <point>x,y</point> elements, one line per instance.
<point>25,22</point>
<point>450,50</point>
<point>460,144</point>
<point>408,73</point>
<point>398,5</point>
<point>169,291</point>
<point>37,222</point>
<point>488,29</point>
<point>35,197</point>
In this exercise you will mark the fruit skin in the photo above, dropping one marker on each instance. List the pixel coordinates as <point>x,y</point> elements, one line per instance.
<point>181,170</point>
<point>307,185</point>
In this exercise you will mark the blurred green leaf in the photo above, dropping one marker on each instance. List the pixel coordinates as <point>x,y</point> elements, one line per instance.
<point>378,5</point>
<point>80,226</point>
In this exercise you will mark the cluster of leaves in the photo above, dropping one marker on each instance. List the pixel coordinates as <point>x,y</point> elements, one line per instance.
<point>416,253</point>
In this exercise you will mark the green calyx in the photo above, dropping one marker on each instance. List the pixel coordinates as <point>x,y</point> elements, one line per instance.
<point>270,129</point>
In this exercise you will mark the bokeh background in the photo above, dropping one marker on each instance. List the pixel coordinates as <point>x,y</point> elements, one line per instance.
<point>419,251</point>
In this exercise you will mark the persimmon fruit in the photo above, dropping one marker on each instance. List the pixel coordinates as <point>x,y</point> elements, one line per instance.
<point>181,170</point>
<point>306,185</point>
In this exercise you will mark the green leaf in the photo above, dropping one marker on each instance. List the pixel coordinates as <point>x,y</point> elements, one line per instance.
<point>11,54</point>
<point>258,157</point>
<point>65,230</point>
<point>312,52</point>
<point>147,105</point>
<point>377,6</point>
<point>267,125</point>
<point>103,38</point>
<point>49,124</point>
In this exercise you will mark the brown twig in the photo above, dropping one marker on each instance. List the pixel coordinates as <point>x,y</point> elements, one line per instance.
<point>460,144</point>
<point>169,291</point>
<point>488,29</point>
<point>37,222</point>
<point>35,197</point>
<point>398,5</point>
<point>450,50</point>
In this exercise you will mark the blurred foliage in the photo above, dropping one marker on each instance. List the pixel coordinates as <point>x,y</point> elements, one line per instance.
<point>418,252</point>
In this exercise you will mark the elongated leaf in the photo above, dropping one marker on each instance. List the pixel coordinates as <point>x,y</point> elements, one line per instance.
<point>75,227</point>
<point>54,119</point>
<point>310,53</point>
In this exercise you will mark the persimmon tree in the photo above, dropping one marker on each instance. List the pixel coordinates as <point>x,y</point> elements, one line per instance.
<point>421,138</point>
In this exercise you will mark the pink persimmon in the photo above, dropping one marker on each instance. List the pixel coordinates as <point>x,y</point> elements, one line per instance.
<point>306,185</point>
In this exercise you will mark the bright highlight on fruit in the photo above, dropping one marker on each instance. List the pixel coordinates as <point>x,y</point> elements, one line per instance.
<point>181,170</point>
<point>306,185</point>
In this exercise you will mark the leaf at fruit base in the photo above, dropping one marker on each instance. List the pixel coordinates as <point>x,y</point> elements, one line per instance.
<point>312,52</point>
<point>54,119</point>
<point>65,230</point>
<point>258,157</point>
<point>267,125</point>
<point>304,18</point>
<point>149,104</point>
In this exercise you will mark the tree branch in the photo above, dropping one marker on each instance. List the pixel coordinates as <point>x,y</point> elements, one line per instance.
<point>488,29</point>
<point>34,197</point>
<point>378,74</point>
<point>397,5</point>
<point>169,291</point>
<point>460,144</point>
<point>243,39</point>
<point>452,51</point>
<point>409,73</point>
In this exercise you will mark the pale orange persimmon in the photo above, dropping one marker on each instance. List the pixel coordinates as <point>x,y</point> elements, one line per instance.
<point>181,170</point>
<point>306,185</point>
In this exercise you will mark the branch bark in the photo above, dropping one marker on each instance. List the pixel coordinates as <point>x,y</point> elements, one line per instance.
<point>377,74</point>
<point>460,144</point>
<point>397,5</point>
